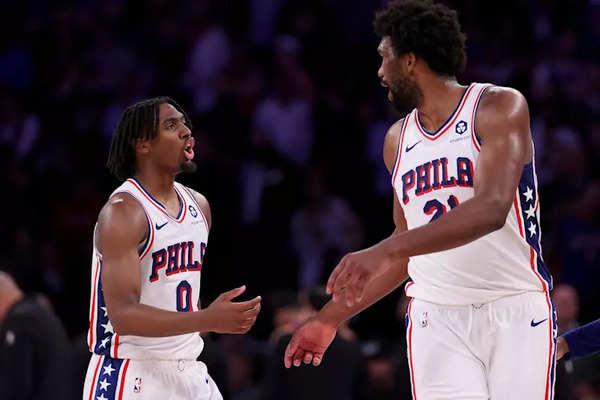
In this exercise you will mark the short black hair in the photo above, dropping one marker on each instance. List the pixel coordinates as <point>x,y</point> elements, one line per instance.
<point>139,121</point>
<point>430,30</point>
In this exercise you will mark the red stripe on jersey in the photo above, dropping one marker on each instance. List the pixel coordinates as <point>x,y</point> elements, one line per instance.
<point>199,207</point>
<point>475,106</point>
<point>449,123</point>
<point>158,205</point>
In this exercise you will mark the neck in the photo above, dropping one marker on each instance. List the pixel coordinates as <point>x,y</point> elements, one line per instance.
<point>8,300</point>
<point>159,185</point>
<point>440,97</point>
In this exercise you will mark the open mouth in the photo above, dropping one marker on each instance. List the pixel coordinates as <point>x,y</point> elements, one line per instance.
<point>188,150</point>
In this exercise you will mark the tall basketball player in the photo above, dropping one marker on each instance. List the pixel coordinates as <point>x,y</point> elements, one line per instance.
<point>149,245</point>
<point>480,324</point>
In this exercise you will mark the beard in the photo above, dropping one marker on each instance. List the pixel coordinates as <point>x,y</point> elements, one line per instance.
<point>405,94</point>
<point>189,167</point>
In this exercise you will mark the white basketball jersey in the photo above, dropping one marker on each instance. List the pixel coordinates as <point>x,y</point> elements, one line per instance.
<point>170,261</point>
<point>434,173</point>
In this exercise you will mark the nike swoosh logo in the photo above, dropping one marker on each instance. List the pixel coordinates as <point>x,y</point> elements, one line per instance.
<point>161,226</point>
<point>409,148</point>
<point>533,323</point>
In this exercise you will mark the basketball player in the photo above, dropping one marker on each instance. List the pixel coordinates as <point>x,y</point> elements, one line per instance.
<point>149,245</point>
<point>579,342</point>
<point>480,324</point>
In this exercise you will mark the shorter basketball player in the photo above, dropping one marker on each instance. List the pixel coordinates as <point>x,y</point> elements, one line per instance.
<point>579,342</point>
<point>149,245</point>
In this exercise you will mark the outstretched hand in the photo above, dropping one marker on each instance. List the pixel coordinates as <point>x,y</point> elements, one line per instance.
<point>309,343</point>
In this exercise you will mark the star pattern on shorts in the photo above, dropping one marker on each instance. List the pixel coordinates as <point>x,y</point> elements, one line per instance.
<point>108,370</point>
<point>104,384</point>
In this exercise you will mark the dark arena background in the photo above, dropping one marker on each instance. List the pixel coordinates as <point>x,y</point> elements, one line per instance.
<point>289,119</point>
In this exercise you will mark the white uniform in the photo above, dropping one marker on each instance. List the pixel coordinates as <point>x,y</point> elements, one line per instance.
<point>127,366</point>
<point>471,304</point>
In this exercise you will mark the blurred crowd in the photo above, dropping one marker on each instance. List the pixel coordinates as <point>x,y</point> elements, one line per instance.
<point>289,120</point>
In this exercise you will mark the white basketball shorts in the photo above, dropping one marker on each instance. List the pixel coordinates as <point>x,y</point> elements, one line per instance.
<point>502,350</point>
<point>123,379</point>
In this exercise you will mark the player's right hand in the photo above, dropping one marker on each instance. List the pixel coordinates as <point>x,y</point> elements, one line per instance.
<point>227,316</point>
<point>309,343</point>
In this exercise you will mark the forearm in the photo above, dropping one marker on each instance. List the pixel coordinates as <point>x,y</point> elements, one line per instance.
<point>143,320</point>
<point>335,313</point>
<point>584,340</point>
<point>469,221</point>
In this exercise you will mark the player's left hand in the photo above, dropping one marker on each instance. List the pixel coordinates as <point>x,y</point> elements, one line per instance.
<point>562,347</point>
<point>350,277</point>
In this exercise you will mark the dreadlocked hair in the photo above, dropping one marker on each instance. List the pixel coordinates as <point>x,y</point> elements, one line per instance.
<point>430,30</point>
<point>139,121</point>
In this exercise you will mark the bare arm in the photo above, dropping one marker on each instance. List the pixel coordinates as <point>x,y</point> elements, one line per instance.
<point>310,341</point>
<point>335,312</point>
<point>121,226</point>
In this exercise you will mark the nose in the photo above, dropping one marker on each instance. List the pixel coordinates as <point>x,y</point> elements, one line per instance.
<point>186,131</point>
<point>380,71</point>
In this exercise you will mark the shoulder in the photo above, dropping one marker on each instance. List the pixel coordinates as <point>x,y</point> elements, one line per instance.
<point>203,203</point>
<point>390,145</point>
<point>501,106</point>
<point>122,217</point>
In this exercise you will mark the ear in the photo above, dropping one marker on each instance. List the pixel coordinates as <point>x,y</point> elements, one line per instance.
<point>410,60</point>
<point>142,146</point>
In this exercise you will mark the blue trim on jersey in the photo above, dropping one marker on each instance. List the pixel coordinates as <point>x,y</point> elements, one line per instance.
<point>102,336</point>
<point>475,114</point>
<point>108,379</point>
<point>462,97</point>
<point>159,203</point>
<point>531,225</point>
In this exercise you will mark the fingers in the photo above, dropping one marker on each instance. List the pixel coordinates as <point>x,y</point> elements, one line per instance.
<point>317,359</point>
<point>248,305</point>
<point>290,351</point>
<point>308,357</point>
<point>298,356</point>
<point>233,293</point>
<point>331,283</point>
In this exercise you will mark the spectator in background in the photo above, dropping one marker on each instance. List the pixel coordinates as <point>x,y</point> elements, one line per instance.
<point>34,350</point>
<point>323,229</point>
<point>566,301</point>
<point>335,378</point>
<point>285,118</point>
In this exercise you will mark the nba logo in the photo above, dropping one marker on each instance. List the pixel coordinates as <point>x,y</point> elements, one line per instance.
<point>424,319</point>
<point>137,387</point>
<point>461,127</point>
<point>193,211</point>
